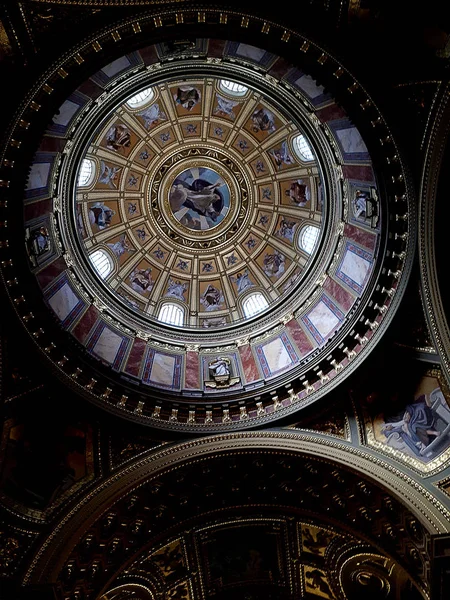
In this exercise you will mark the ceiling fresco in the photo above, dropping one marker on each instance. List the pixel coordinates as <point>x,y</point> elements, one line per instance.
<point>198,196</point>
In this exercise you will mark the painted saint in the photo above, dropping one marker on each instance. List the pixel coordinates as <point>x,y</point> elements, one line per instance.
<point>108,175</point>
<point>38,243</point>
<point>299,192</point>
<point>212,298</point>
<point>141,280</point>
<point>281,155</point>
<point>101,215</point>
<point>274,264</point>
<point>263,120</point>
<point>187,96</point>
<point>177,289</point>
<point>286,230</point>
<point>121,246</point>
<point>225,107</point>
<point>152,115</point>
<point>242,281</point>
<point>118,137</point>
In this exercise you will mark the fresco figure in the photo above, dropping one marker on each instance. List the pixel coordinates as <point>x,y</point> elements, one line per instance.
<point>299,192</point>
<point>212,298</point>
<point>242,281</point>
<point>121,246</point>
<point>286,230</point>
<point>108,175</point>
<point>263,120</point>
<point>176,289</point>
<point>101,215</point>
<point>141,280</point>
<point>273,264</point>
<point>225,107</point>
<point>118,137</point>
<point>188,96</point>
<point>281,156</point>
<point>152,115</point>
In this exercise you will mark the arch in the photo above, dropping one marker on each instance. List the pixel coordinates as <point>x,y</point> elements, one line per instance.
<point>86,173</point>
<point>102,262</point>
<point>302,148</point>
<point>233,88</point>
<point>307,238</point>
<point>171,313</point>
<point>254,304</point>
<point>141,98</point>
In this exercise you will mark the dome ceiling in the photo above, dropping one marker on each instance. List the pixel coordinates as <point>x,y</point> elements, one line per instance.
<point>201,197</point>
<point>207,229</point>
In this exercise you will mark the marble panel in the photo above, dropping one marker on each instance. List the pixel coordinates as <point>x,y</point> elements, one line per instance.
<point>300,338</point>
<point>65,113</point>
<point>63,301</point>
<point>135,357</point>
<point>51,271</point>
<point>323,319</point>
<point>360,236</point>
<point>163,368</point>
<point>342,296</point>
<point>249,366</point>
<point>276,355</point>
<point>331,113</point>
<point>107,345</point>
<point>351,140</point>
<point>354,267</point>
<point>247,51</point>
<point>116,66</point>
<point>310,86</point>
<point>191,376</point>
<point>38,177</point>
<point>84,326</point>
<point>362,173</point>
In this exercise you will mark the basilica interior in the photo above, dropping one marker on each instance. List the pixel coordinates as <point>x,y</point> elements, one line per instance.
<point>224,358</point>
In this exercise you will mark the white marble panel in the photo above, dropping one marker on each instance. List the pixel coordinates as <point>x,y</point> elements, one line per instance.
<point>162,369</point>
<point>252,52</point>
<point>63,301</point>
<point>351,140</point>
<point>323,319</point>
<point>310,86</point>
<point>355,267</point>
<point>38,176</point>
<point>116,66</point>
<point>276,355</point>
<point>66,112</point>
<point>107,345</point>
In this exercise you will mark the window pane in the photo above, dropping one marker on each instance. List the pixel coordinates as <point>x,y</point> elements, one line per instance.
<point>233,88</point>
<point>101,262</point>
<point>254,304</point>
<point>302,148</point>
<point>172,314</point>
<point>308,238</point>
<point>141,98</point>
<point>86,172</point>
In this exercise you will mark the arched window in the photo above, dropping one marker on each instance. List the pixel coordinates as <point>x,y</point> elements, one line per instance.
<point>254,304</point>
<point>302,148</point>
<point>171,313</point>
<point>141,98</point>
<point>102,263</point>
<point>308,238</point>
<point>236,89</point>
<point>87,172</point>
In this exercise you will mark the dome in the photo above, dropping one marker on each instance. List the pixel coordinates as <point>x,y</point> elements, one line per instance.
<point>210,238</point>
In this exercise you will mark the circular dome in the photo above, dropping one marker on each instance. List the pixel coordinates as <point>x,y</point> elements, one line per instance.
<point>212,256</point>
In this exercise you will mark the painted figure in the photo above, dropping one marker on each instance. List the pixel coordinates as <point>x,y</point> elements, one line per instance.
<point>242,281</point>
<point>141,280</point>
<point>220,367</point>
<point>152,115</point>
<point>176,289</point>
<point>225,107</point>
<point>187,96</point>
<point>121,246</point>
<point>108,175</point>
<point>263,120</point>
<point>212,298</point>
<point>118,137</point>
<point>273,264</point>
<point>201,196</point>
<point>299,192</point>
<point>281,155</point>
<point>101,215</point>
<point>286,230</point>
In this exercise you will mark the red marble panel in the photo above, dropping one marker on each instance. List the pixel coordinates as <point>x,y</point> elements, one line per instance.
<point>52,144</point>
<point>51,271</point>
<point>336,291</point>
<point>90,89</point>
<point>331,113</point>
<point>358,173</point>
<point>300,338</point>
<point>149,55</point>
<point>37,209</point>
<point>279,68</point>
<point>135,357</point>
<point>85,324</point>
<point>360,236</point>
<point>216,48</point>
<point>251,372</point>
<point>191,378</point>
